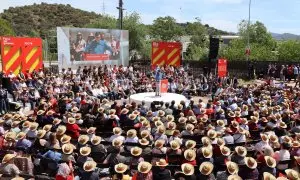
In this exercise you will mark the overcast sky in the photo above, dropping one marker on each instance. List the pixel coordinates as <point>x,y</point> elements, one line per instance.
<point>280,16</point>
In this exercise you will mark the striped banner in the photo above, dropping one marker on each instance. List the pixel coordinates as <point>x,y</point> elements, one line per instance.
<point>166,53</point>
<point>21,54</point>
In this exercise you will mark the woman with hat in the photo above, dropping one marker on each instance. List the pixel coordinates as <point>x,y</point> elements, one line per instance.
<point>22,142</point>
<point>89,172</point>
<point>144,171</point>
<point>161,172</point>
<point>190,157</point>
<point>250,171</point>
<point>187,172</point>
<point>269,166</point>
<point>131,138</point>
<point>117,135</point>
<point>72,128</point>
<point>121,171</point>
<point>8,167</point>
<point>231,169</point>
<point>206,171</point>
<point>239,155</point>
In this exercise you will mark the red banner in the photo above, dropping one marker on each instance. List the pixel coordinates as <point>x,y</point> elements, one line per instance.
<point>166,53</point>
<point>222,67</point>
<point>164,86</point>
<point>95,57</point>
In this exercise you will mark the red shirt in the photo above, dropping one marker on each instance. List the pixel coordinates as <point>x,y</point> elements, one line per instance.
<point>194,162</point>
<point>74,128</point>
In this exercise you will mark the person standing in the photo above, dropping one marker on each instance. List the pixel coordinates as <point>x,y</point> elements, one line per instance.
<point>3,101</point>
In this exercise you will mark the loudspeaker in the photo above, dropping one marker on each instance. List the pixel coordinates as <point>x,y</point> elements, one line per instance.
<point>6,82</point>
<point>213,48</point>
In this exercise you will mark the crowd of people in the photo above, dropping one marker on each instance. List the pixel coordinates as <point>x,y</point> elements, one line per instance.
<point>78,130</point>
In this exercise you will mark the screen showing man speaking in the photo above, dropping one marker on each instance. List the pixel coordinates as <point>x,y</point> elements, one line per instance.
<point>95,44</point>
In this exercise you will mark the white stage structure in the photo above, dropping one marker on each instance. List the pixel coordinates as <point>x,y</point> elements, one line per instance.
<point>149,97</point>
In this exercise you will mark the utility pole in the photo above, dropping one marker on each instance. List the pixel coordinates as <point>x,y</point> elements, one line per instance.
<point>120,14</point>
<point>103,7</point>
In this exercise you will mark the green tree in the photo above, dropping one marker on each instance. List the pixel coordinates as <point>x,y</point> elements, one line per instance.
<point>195,52</point>
<point>104,22</point>
<point>5,28</point>
<point>198,33</point>
<point>137,31</point>
<point>165,29</point>
<point>289,51</point>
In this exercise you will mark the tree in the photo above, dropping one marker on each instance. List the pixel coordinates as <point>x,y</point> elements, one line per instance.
<point>105,22</point>
<point>258,33</point>
<point>289,51</point>
<point>195,52</point>
<point>137,31</point>
<point>165,29</point>
<point>198,33</point>
<point>5,28</point>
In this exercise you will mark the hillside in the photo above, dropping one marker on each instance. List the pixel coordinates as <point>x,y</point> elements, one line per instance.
<point>285,36</point>
<point>37,19</point>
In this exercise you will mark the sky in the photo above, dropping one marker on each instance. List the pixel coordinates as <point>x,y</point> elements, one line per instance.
<point>279,16</point>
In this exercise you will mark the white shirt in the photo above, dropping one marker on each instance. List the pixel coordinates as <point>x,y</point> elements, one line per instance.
<point>260,146</point>
<point>239,138</point>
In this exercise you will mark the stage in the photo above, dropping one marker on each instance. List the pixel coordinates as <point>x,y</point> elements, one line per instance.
<point>149,97</point>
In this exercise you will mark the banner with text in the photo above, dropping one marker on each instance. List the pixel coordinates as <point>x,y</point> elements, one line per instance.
<point>164,86</point>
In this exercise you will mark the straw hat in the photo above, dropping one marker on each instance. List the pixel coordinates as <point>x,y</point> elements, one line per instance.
<point>56,121</point>
<point>145,133</point>
<point>50,113</point>
<point>83,139</point>
<point>10,136</point>
<point>220,123</point>
<point>297,158</point>
<point>124,111</point>
<point>96,140</point>
<point>241,151</point>
<point>26,124</point>
<point>136,151</point>
<point>112,112</point>
<point>189,127</point>
<point>21,135</point>
<point>170,118</point>
<point>204,119</point>
<point>270,161</point>
<point>149,114</point>
<point>182,120</point>
<point>212,134</point>
<point>7,158</point>
<point>117,142</point>
<point>234,177</point>
<point>144,167</point>
<point>144,142</point>
<point>47,127</point>
<point>268,176</point>
<point>193,119</point>
<point>15,123</point>
<point>254,119</point>
<point>187,169</point>
<point>205,140</point>
<point>264,137</point>
<point>7,116</point>
<point>296,144</point>
<point>292,174</point>
<point>101,110</point>
<point>179,107</point>
<point>61,130</point>
<point>85,151</point>
<point>104,101</point>
<point>91,130</point>
<point>158,123</point>
<point>189,144</point>
<point>207,152</point>
<point>71,120</point>
<point>162,163</point>
<point>225,150</point>
<point>190,155</point>
<point>161,129</point>
<point>89,166</point>
<point>77,116</point>
<point>161,113</point>
<point>121,168</point>
<point>273,138</point>
<point>67,148</point>
<point>235,124</point>
<point>206,168</point>
<point>117,131</point>
<point>41,133</point>
<point>220,142</point>
<point>132,117</point>
<point>232,167</point>
<point>156,118</point>
<point>171,125</point>
<point>65,139</point>
<point>250,162</point>
<point>174,145</point>
<point>244,121</point>
<point>74,109</point>
<point>282,125</point>
<point>231,114</point>
<point>159,143</point>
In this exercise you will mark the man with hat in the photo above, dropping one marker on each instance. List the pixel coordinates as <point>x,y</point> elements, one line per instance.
<point>8,167</point>
<point>161,172</point>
